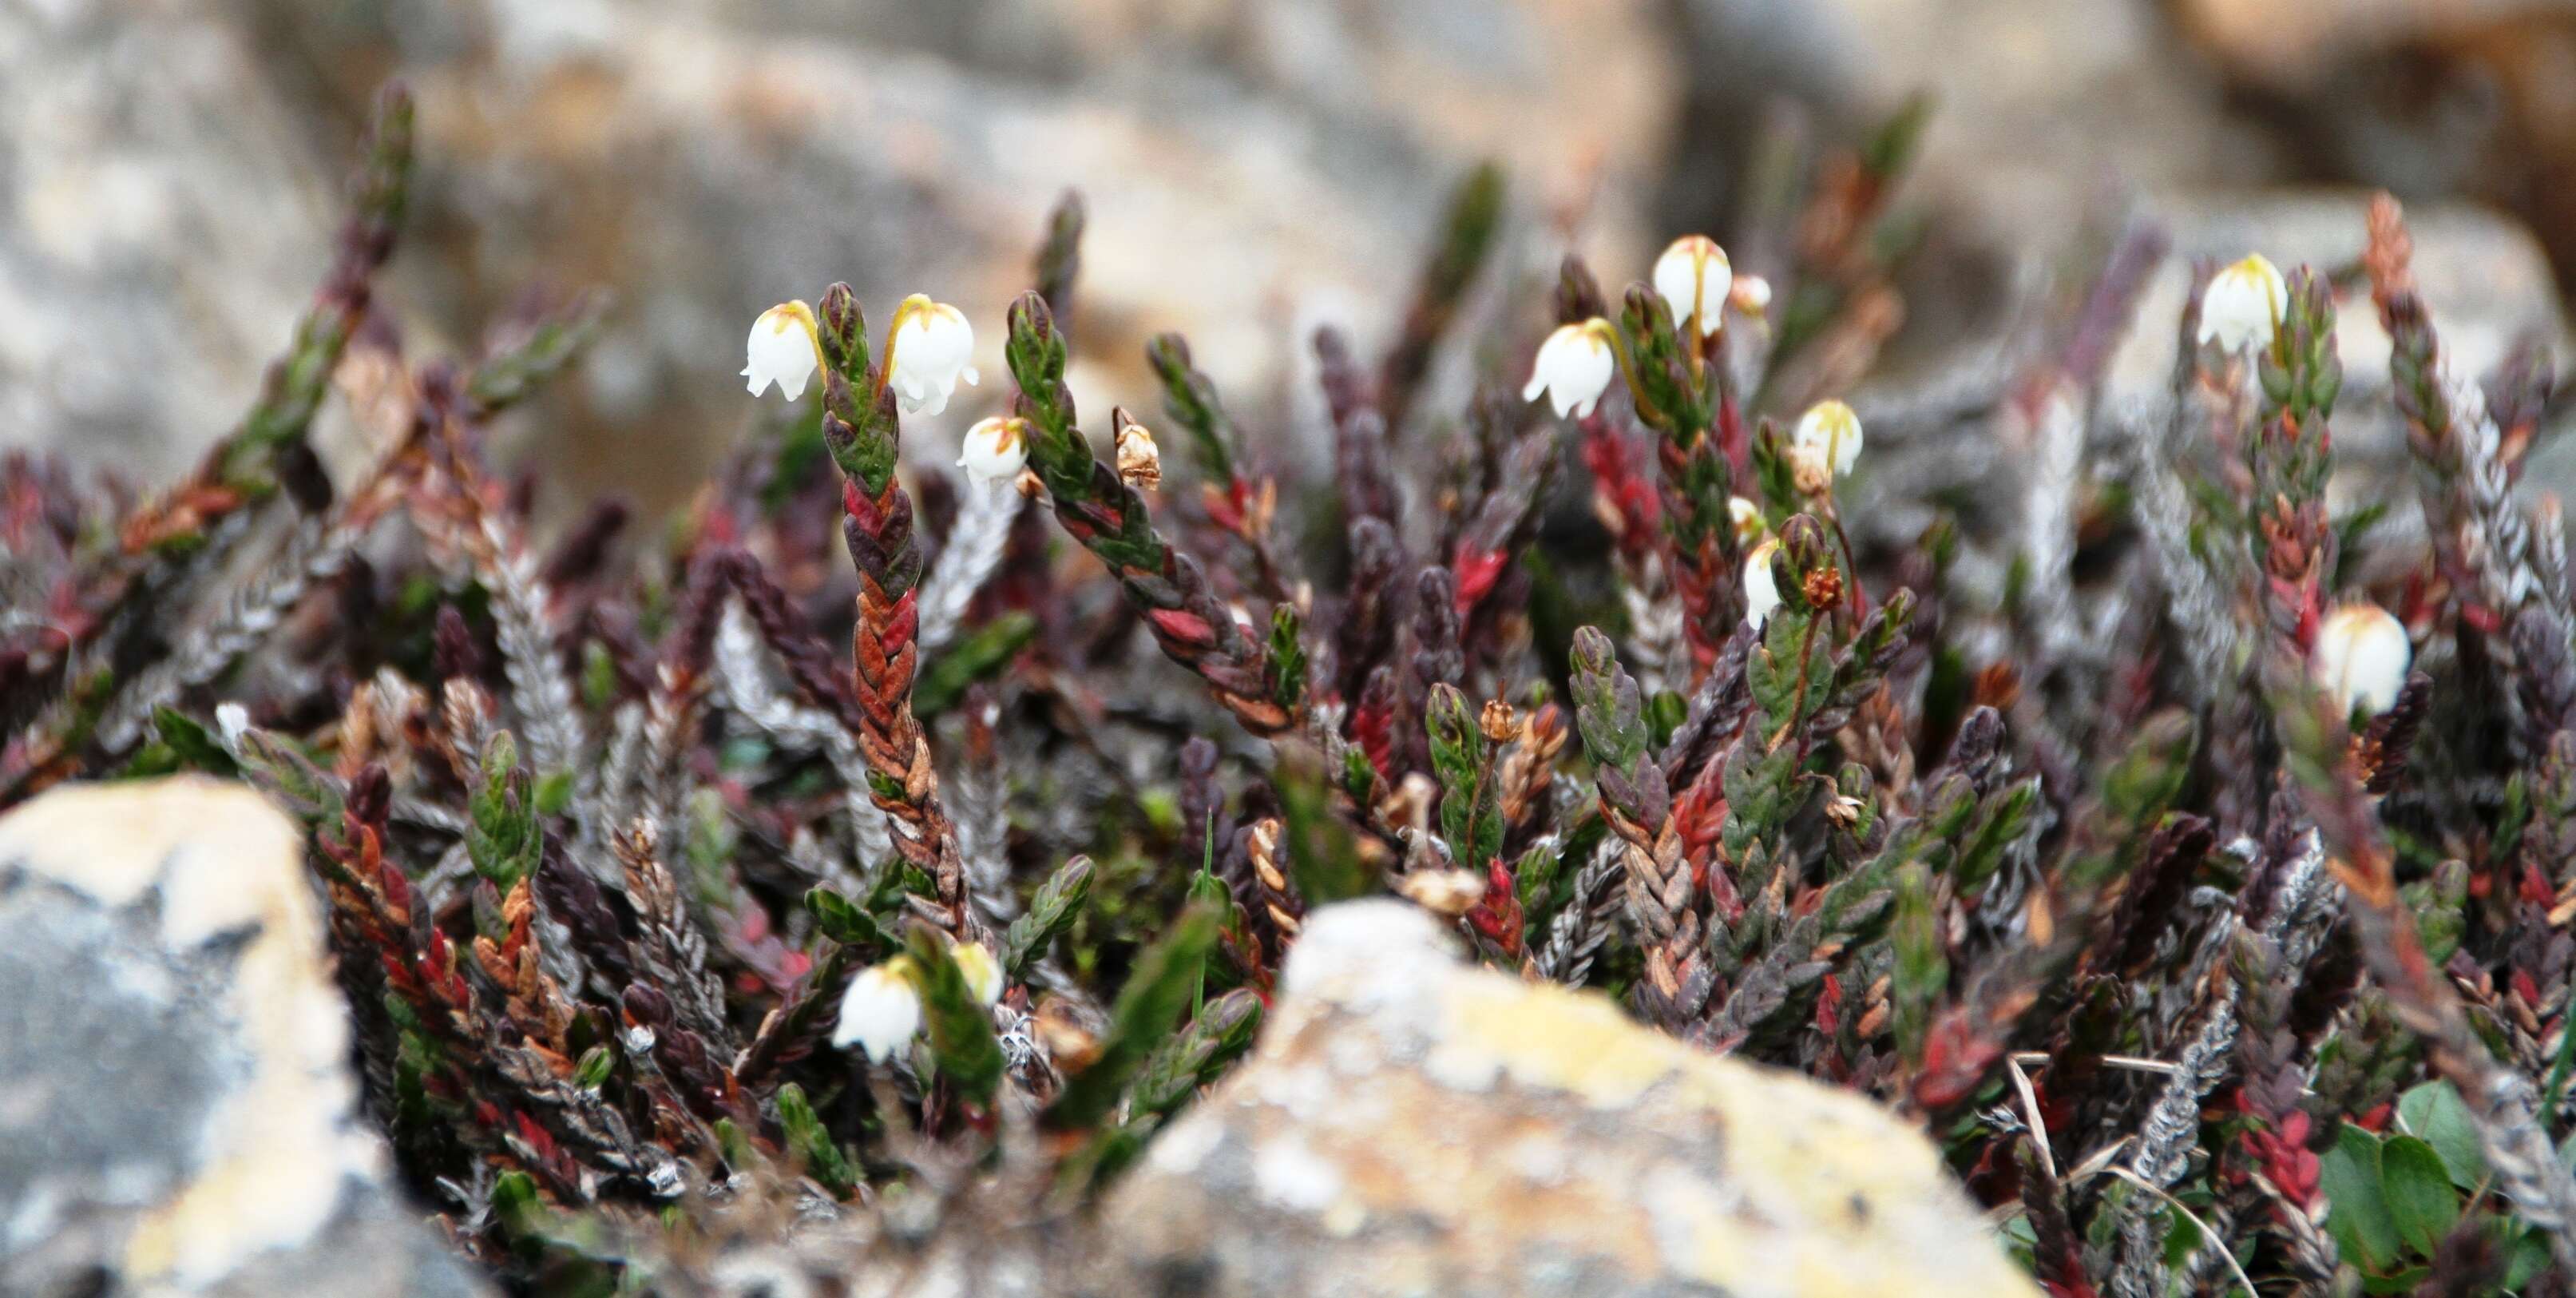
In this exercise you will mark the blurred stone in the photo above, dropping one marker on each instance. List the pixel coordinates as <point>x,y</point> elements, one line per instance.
<point>2482,274</point>
<point>163,225</point>
<point>2297,43</point>
<point>2466,97</point>
<point>1410,1125</point>
<point>1251,171</point>
<point>2045,119</point>
<point>176,1107</point>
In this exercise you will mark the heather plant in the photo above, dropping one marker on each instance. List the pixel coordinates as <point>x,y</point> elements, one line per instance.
<point>2211,915</point>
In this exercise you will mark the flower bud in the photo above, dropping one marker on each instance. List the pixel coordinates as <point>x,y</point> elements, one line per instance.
<point>983,973</point>
<point>994,449</point>
<point>1809,471</point>
<point>2361,657</point>
<point>1746,517</point>
<point>1751,295</point>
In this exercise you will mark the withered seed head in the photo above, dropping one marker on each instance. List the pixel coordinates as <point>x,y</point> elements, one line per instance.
<point>1824,586</point>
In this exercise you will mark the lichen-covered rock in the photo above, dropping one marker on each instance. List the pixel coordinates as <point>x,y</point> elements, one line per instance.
<point>176,1106</point>
<point>1409,1125</point>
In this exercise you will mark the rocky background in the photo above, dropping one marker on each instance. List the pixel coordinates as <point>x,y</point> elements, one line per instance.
<point>1253,170</point>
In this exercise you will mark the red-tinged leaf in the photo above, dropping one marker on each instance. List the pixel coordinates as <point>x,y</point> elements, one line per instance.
<point>1476,573</point>
<point>1181,625</point>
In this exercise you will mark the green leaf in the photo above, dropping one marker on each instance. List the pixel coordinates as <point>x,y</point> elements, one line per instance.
<point>593,1068</point>
<point>2420,1196</point>
<point>961,1032</point>
<point>2530,1253</point>
<point>503,837</point>
<point>2435,1112</point>
<point>980,653</point>
<point>514,1201</point>
<point>1323,852</point>
<point>812,1145</point>
<point>1150,1006</point>
<point>841,920</point>
<point>195,748</point>
<point>554,793</point>
<point>733,1145</point>
<point>1057,904</point>
<point>1287,657</point>
<point>2357,1212</point>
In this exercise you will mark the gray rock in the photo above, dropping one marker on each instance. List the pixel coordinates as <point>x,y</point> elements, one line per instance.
<point>1252,171</point>
<point>176,1106</point>
<point>164,224</point>
<point>1411,1125</point>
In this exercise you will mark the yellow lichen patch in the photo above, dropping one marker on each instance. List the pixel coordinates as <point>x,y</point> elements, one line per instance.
<point>1545,1036</point>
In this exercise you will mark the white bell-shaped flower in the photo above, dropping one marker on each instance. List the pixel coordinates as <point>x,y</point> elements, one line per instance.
<point>1761,591</point>
<point>2361,657</point>
<point>881,1010</point>
<point>1831,429</point>
<point>995,449</point>
<point>1693,277</point>
<point>2244,304</point>
<point>983,972</point>
<point>929,351</point>
<point>782,350</point>
<point>1573,367</point>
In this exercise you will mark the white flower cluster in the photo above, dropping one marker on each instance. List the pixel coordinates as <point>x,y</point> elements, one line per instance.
<point>1693,277</point>
<point>926,355</point>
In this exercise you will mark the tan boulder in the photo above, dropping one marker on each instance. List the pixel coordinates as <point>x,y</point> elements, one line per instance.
<point>1411,1125</point>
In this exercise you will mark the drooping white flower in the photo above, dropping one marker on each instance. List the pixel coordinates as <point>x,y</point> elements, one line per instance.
<point>983,972</point>
<point>996,449</point>
<point>880,1011</point>
<point>2361,657</point>
<point>782,350</point>
<point>1831,429</point>
<point>1573,367</point>
<point>1746,518</point>
<point>1693,277</point>
<point>2243,304</point>
<point>1761,591</point>
<point>928,350</point>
